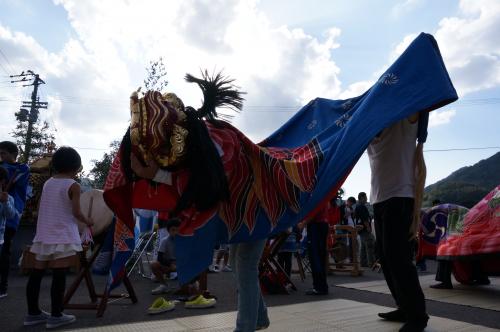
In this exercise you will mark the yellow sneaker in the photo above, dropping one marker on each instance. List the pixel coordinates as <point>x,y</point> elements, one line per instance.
<point>200,303</point>
<point>161,305</point>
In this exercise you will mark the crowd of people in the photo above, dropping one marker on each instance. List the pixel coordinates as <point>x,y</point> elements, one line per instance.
<point>310,238</point>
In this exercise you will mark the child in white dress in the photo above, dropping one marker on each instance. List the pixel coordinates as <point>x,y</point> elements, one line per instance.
<point>57,240</point>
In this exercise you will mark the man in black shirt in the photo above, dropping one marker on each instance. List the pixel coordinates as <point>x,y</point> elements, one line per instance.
<point>362,218</point>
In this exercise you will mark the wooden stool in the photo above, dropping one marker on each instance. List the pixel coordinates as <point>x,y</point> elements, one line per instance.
<point>86,274</point>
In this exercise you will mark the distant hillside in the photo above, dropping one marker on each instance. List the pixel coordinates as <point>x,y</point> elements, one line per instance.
<point>467,185</point>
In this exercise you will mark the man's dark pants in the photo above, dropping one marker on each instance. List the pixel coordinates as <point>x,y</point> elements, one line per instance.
<point>5,257</point>
<point>317,234</point>
<point>393,219</point>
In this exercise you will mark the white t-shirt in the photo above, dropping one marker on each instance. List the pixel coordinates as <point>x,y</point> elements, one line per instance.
<point>391,158</point>
<point>349,211</point>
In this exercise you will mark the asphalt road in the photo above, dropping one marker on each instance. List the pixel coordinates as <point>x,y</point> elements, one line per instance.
<point>13,308</point>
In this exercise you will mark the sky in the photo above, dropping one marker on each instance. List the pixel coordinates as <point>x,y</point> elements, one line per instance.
<point>92,54</point>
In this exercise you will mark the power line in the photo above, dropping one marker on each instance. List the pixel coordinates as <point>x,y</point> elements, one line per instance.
<point>275,108</point>
<point>9,101</point>
<point>3,68</point>
<point>11,86</point>
<point>464,149</point>
<point>97,149</point>
<point>250,109</point>
<point>110,103</point>
<point>434,150</point>
<point>50,117</point>
<point>7,60</point>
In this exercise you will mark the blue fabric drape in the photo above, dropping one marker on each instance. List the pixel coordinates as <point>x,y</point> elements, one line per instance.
<point>416,82</point>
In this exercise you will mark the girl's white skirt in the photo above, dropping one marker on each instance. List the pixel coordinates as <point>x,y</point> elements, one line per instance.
<point>49,252</point>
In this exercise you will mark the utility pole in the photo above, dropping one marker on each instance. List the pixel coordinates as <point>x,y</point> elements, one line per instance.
<point>34,105</point>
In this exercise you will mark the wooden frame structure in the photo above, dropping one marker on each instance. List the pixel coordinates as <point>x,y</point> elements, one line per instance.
<point>98,301</point>
<point>354,267</point>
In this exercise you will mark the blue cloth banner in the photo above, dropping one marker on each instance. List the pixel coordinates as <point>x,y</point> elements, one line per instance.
<point>416,82</point>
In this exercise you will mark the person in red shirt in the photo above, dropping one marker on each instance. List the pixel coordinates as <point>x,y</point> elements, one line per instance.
<point>333,213</point>
<point>333,219</point>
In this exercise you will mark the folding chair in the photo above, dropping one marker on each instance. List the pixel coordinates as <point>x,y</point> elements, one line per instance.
<point>303,257</point>
<point>140,250</point>
<point>269,263</point>
<point>301,266</point>
<point>145,221</point>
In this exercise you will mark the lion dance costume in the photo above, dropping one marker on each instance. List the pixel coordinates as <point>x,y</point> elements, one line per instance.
<point>225,188</point>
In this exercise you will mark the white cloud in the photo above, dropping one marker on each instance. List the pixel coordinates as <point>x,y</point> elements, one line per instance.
<point>405,7</point>
<point>469,45</point>
<point>401,47</point>
<point>356,89</point>
<point>78,76</point>
<point>91,78</point>
<point>438,118</point>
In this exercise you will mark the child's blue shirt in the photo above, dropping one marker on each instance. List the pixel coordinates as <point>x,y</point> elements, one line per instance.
<point>7,211</point>
<point>19,175</point>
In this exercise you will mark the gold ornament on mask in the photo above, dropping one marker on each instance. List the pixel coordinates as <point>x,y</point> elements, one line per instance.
<point>156,127</point>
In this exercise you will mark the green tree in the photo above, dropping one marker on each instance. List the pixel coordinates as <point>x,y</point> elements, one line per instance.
<point>42,138</point>
<point>156,76</point>
<point>100,169</point>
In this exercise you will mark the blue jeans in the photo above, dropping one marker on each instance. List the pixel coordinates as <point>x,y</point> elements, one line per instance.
<point>252,311</point>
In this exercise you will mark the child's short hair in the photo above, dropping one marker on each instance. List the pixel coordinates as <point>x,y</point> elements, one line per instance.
<point>361,195</point>
<point>66,159</point>
<point>352,200</point>
<point>174,222</point>
<point>4,175</point>
<point>10,147</point>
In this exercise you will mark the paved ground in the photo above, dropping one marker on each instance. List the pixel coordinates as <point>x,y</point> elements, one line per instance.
<point>329,315</point>
<point>486,297</point>
<point>13,308</point>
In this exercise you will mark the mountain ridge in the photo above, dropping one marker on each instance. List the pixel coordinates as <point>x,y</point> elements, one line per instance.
<point>467,185</point>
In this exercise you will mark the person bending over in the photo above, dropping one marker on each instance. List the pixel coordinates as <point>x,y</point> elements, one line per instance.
<point>165,262</point>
